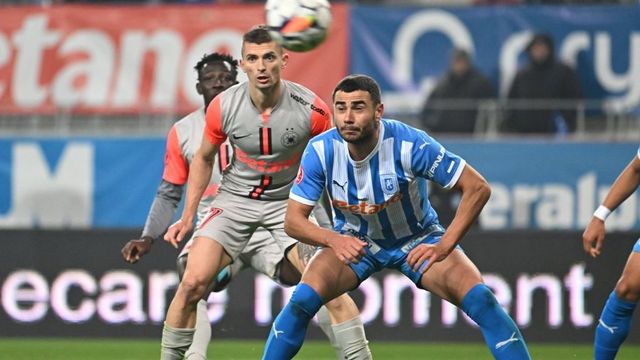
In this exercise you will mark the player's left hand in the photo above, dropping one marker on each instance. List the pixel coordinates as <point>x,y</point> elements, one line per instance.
<point>133,250</point>
<point>593,237</point>
<point>431,253</point>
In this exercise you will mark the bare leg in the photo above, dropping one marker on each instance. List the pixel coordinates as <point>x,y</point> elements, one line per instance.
<point>206,257</point>
<point>202,335</point>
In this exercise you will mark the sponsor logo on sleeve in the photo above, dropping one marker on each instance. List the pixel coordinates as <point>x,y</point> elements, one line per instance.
<point>436,163</point>
<point>306,103</point>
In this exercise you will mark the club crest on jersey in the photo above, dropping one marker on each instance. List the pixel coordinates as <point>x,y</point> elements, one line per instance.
<point>389,184</point>
<point>290,138</point>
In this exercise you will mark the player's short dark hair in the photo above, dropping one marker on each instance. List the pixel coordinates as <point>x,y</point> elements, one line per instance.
<point>356,82</point>
<point>258,34</point>
<point>214,58</point>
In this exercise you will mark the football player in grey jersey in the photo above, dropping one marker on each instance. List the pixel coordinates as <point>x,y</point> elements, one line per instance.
<point>268,121</point>
<point>216,72</point>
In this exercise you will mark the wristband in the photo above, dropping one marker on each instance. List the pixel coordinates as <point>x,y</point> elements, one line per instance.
<point>602,212</point>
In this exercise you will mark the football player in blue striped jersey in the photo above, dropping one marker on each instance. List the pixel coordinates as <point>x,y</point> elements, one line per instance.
<point>375,172</point>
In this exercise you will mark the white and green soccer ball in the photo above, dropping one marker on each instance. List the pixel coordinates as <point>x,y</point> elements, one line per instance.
<point>298,25</point>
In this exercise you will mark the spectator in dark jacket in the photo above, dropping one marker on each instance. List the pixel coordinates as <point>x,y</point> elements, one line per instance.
<point>453,104</point>
<point>544,78</point>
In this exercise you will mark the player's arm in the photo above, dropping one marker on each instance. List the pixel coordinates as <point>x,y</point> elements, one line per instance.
<point>169,194</point>
<point>162,211</point>
<point>199,172</point>
<point>305,193</point>
<point>475,193</point>
<point>297,225</point>
<point>626,183</point>
<point>199,176</point>
<point>432,161</point>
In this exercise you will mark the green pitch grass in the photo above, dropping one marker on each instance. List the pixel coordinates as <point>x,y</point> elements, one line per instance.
<point>82,349</point>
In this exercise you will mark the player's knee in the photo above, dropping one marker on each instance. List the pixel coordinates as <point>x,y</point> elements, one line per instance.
<point>306,299</point>
<point>192,289</point>
<point>478,300</point>
<point>335,306</point>
<point>339,304</point>
<point>628,290</point>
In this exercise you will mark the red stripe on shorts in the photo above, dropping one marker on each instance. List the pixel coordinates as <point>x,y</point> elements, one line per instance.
<point>213,212</point>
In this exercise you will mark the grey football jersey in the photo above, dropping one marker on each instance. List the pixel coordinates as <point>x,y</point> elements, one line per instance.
<point>183,141</point>
<point>266,147</point>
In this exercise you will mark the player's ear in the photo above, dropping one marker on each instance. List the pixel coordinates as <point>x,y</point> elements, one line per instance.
<point>285,60</point>
<point>199,88</point>
<point>379,111</point>
<point>241,65</point>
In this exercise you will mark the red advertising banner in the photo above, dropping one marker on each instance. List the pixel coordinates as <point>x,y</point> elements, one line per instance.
<point>130,59</point>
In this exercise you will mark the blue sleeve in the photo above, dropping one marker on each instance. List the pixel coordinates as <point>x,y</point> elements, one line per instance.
<point>432,161</point>
<point>310,182</point>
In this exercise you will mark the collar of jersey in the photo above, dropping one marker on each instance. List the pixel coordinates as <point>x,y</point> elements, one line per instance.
<point>285,93</point>
<point>373,152</point>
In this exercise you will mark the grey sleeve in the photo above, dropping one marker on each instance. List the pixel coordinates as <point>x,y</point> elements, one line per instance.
<point>162,210</point>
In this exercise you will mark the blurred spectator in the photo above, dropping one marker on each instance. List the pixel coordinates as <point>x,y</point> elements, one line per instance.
<point>544,78</point>
<point>453,105</point>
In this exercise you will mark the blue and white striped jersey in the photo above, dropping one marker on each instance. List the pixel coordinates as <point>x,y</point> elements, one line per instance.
<point>385,195</point>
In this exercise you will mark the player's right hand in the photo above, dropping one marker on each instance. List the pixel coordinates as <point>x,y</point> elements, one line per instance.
<point>177,232</point>
<point>347,248</point>
<point>593,237</point>
<point>134,249</point>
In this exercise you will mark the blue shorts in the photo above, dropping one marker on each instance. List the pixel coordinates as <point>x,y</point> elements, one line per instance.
<point>378,258</point>
<point>636,246</point>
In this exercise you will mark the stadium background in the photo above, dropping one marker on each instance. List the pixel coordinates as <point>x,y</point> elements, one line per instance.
<point>87,94</point>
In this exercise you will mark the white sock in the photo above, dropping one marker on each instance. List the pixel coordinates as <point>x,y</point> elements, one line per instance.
<point>324,321</point>
<point>352,340</point>
<point>202,336</point>
<point>175,342</point>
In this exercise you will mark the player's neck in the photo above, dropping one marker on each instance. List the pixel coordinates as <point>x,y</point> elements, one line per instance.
<point>266,99</point>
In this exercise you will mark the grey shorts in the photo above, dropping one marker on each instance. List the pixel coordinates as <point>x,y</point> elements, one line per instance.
<point>262,253</point>
<point>251,230</point>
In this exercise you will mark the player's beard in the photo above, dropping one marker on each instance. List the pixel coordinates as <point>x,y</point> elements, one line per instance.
<point>364,134</point>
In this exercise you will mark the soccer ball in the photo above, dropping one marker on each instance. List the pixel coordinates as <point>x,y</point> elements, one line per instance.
<point>298,25</point>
